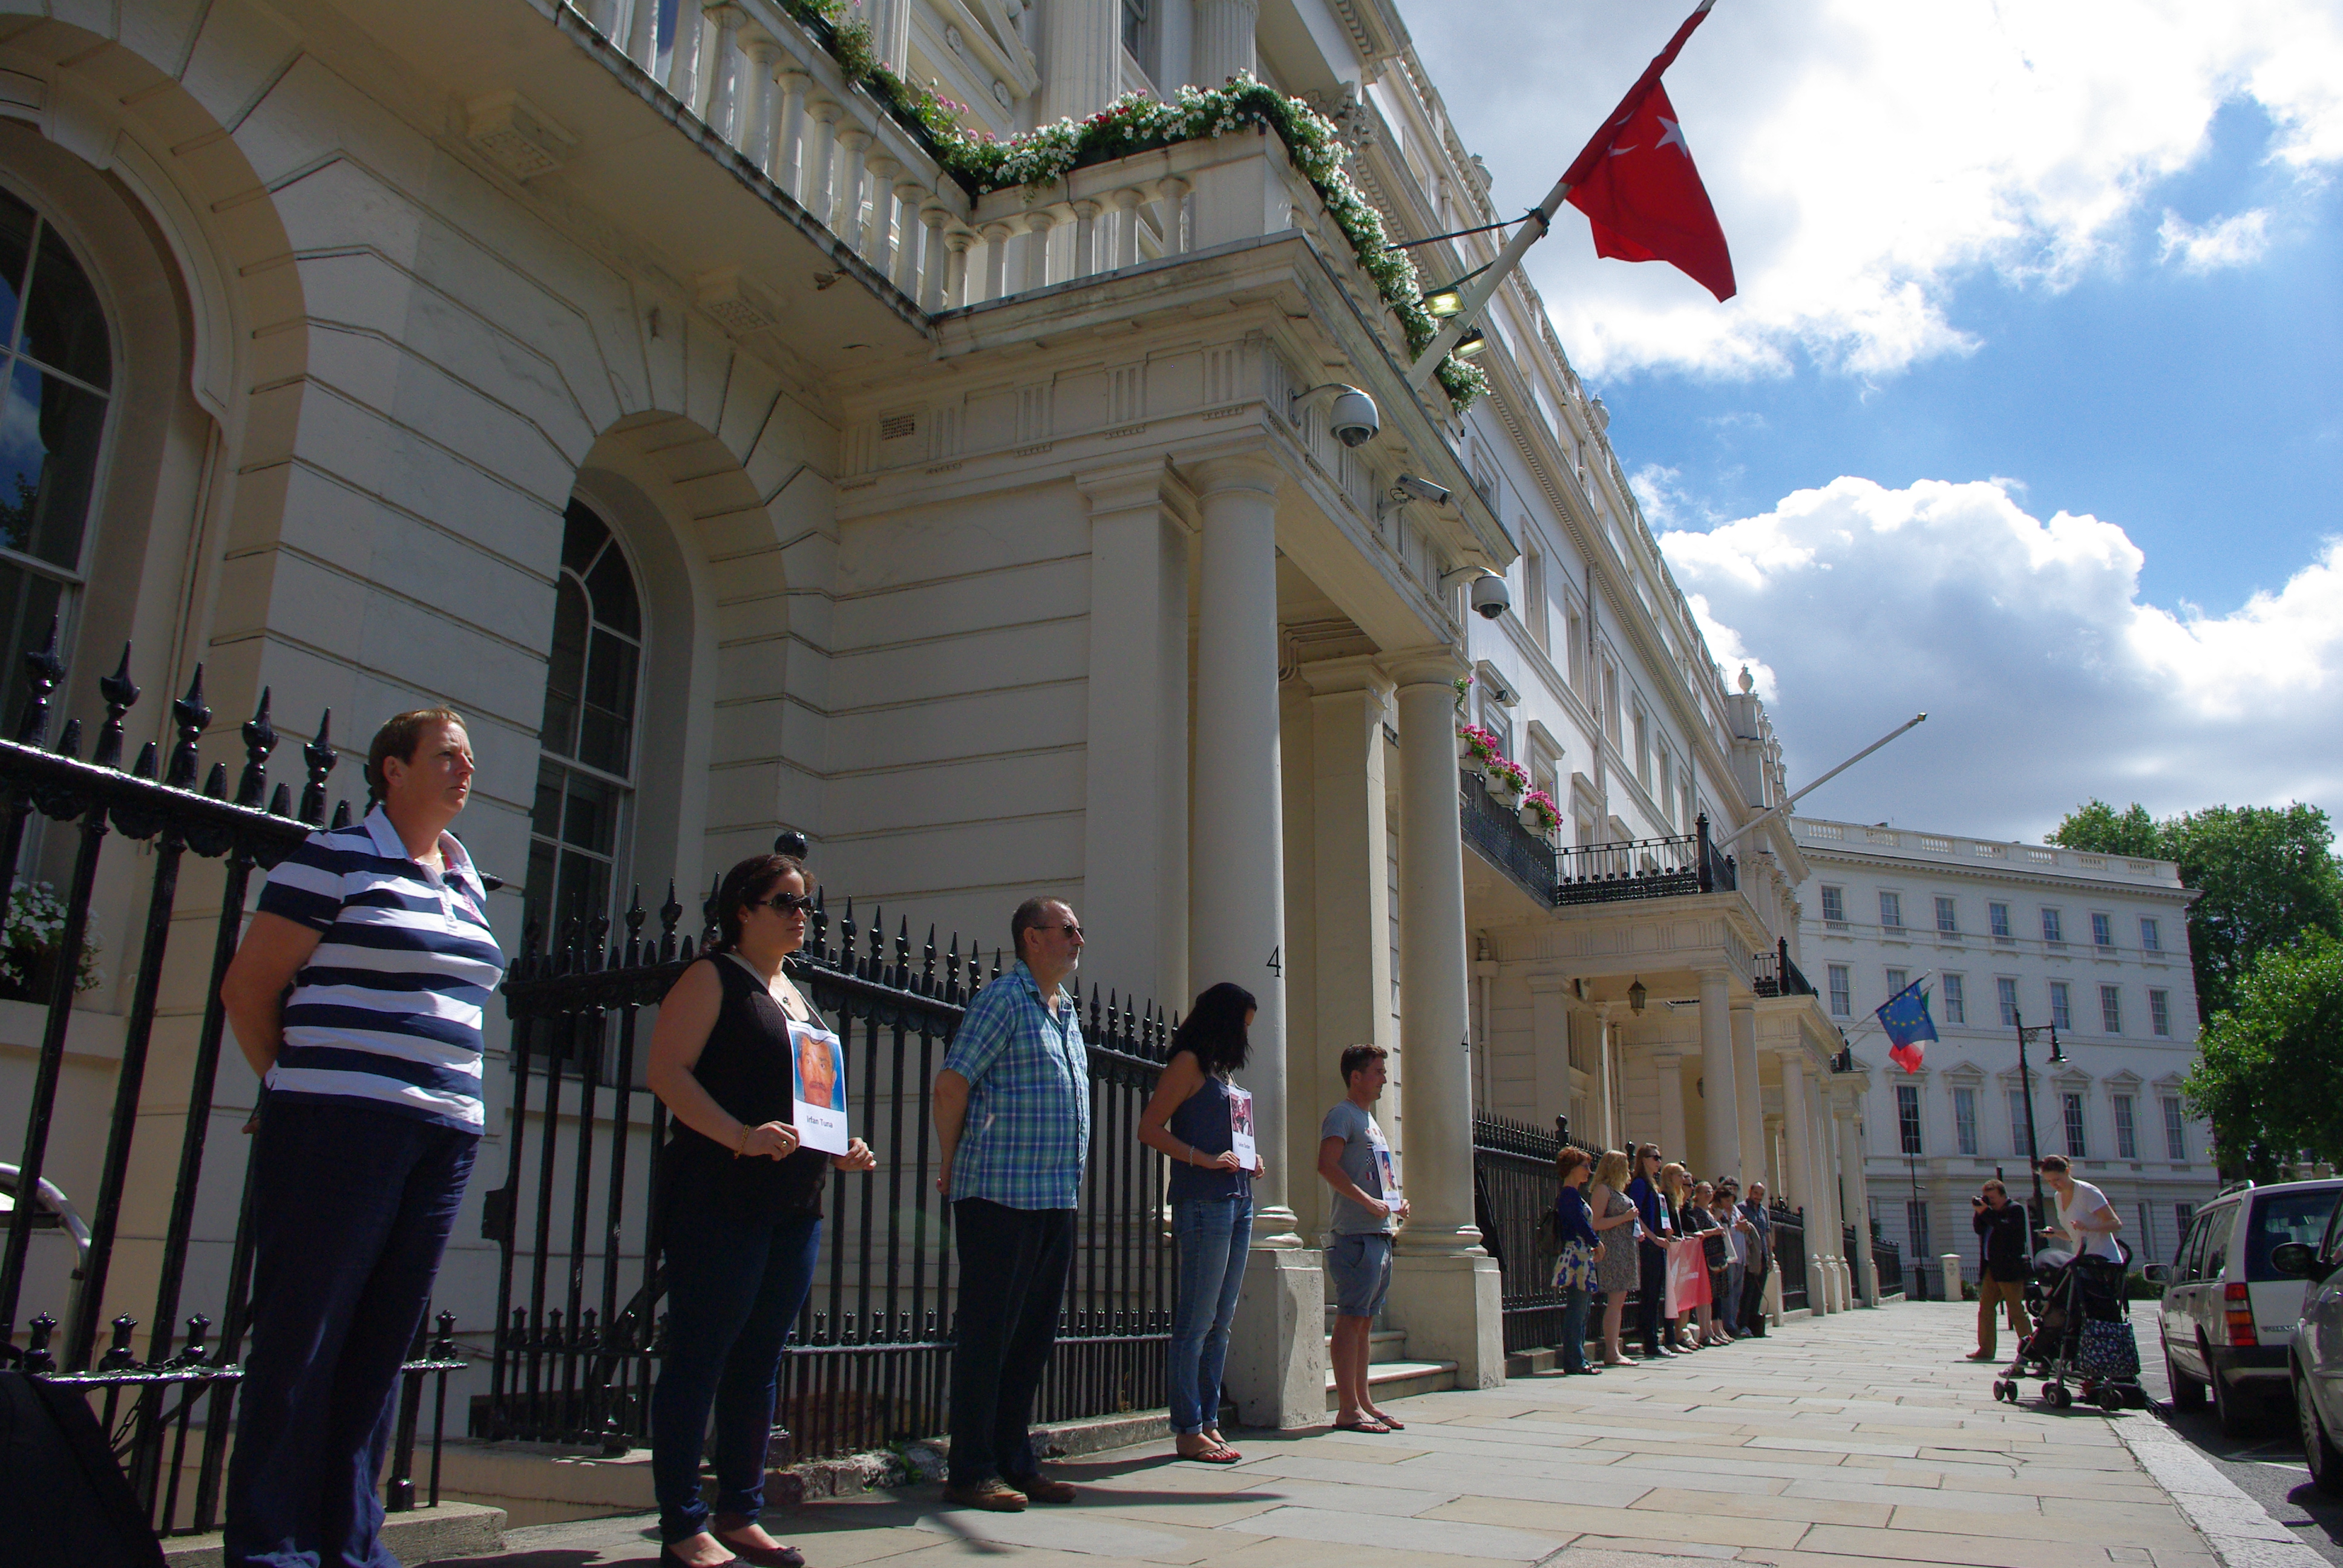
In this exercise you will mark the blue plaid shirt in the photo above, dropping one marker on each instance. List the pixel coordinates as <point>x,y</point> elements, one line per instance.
<point>1029,1105</point>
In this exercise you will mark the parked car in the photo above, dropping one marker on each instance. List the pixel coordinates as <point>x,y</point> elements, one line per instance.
<point>2315,1359</point>
<point>2228,1313</point>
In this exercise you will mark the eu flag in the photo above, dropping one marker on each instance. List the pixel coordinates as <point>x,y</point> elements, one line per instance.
<point>1905,1017</point>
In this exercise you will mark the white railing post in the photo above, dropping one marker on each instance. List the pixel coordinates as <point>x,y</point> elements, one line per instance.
<point>1173,194</point>
<point>935,266</point>
<point>957,239</point>
<point>1038,224</point>
<point>790,130</point>
<point>683,53</point>
<point>996,260</point>
<point>723,114</point>
<point>1127,202</point>
<point>909,194</point>
<point>848,223</point>
<point>881,233</point>
<point>815,174</point>
<point>1086,213</point>
<point>642,36</point>
<point>764,102</point>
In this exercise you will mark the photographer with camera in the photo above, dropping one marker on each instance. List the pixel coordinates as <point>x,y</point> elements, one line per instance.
<point>2000,1225</point>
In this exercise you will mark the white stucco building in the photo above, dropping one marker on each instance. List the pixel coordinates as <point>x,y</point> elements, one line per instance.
<point>650,394</point>
<point>2096,946</point>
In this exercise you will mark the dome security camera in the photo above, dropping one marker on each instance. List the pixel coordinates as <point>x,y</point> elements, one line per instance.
<point>1354,419</point>
<point>1491,599</point>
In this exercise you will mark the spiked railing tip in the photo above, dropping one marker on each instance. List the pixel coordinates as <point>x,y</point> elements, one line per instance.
<point>119,692</point>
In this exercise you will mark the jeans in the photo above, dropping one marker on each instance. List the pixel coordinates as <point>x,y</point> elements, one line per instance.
<point>1728,1303</point>
<point>352,1207</point>
<point>1012,1276</point>
<point>1651,1293</point>
<point>734,1288</point>
<point>1214,1235</point>
<point>1575,1303</point>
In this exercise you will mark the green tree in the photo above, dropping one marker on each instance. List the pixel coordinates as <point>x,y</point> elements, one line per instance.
<point>2101,829</point>
<point>2268,1065</point>
<point>2265,876</point>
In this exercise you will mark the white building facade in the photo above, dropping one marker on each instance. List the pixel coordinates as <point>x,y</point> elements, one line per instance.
<point>2005,934</point>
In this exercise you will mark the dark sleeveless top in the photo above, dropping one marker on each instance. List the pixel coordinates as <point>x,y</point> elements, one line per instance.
<point>1201,1122</point>
<point>746,1067</point>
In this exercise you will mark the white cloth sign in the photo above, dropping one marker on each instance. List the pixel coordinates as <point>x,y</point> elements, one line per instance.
<point>820,1069</point>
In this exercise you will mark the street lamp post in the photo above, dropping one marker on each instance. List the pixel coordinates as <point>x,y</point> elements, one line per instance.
<point>2026,1087</point>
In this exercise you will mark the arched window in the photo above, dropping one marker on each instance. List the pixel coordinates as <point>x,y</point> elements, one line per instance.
<point>57,370</point>
<point>580,831</point>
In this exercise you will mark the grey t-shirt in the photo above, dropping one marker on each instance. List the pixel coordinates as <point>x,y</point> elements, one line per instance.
<point>1360,1140</point>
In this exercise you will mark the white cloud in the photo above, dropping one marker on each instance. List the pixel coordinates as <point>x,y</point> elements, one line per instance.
<point>2046,676</point>
<point>1864,157</point>
<point>2235,241</point>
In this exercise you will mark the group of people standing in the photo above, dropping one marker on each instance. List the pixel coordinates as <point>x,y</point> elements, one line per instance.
<point>1615,1231</point>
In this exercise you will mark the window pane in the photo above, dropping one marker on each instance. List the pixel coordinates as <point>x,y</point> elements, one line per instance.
<point>2111,1008</point>
<point>2062,1015</point>
<point>2176,1130</point>
<point>2021,1130</point>
<point>2008,990</point>
<point>1890,909</point>
<point>1998,916</point>
<point>537,898</point>
<point>2160,1012</point>
<point>565,670</point>
<point>1965,1129</point>
<point>2150,938</point>
<point>606,727</point>
<point>28,600</point>
<point>2052,931</point>
<point>49,431</point>
<point>583,891</point>
<point>1834,904</point>
<point>1841,1002</point>
<point>1907,1117</point>
<point>1956,1006</point>
<point>2126,1131</point>
<point>613,586</point>
<point>2103,932</point>
<point>1948,916</point>
<point>2073,1107</point>
<point>17,222</point>
<point>589,819</point>
<point>582,538</point>
<point>63,328</point>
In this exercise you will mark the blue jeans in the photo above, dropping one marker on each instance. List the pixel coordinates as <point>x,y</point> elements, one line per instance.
<point>1214,1235</point>
<point>351,1208</point>
<point>1575,1304</point>
<point>734,1286</point>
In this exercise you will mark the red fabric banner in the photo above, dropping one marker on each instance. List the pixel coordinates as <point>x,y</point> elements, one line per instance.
<point>1687,1276</point>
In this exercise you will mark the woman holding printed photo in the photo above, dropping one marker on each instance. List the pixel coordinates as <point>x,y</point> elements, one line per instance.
<point>1193,1119</point>
<point>741,1210</point>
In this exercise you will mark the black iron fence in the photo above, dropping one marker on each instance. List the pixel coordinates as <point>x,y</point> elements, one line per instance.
<point>1887,1258</point>
<point>1498,833</point>
<point>172,1408</point>
<point>1790,1255</point>
<point>579,1326</point>
<point>1515,1186</point>
<point>1644,869</point>
<point>1775,973</point>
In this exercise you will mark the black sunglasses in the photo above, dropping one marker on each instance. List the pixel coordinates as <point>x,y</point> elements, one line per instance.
<point>781,903</point>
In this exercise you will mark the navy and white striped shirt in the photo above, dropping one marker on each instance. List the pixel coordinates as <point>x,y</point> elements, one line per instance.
<point>386,1012</point>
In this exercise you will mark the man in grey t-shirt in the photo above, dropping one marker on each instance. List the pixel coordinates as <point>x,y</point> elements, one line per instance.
<point>1354,1159</point>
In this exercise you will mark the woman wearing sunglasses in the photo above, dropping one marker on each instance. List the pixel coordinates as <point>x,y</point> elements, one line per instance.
<point>740,1211</point>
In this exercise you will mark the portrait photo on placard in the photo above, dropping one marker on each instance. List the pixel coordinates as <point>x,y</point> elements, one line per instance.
<point>821,1108</point>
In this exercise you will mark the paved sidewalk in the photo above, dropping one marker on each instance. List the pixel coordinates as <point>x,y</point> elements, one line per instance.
<point>1862,1437</point>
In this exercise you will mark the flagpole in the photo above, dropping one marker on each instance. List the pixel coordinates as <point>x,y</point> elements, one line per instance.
<point>1534,228</point>
<point>1771,812</point>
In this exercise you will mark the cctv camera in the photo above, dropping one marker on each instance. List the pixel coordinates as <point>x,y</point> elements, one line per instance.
<point>1411,488</point>
<point>1355,420</point>
<point>1490,597</point>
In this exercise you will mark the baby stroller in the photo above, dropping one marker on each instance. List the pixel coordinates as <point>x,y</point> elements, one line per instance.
<point>2082,1333</point>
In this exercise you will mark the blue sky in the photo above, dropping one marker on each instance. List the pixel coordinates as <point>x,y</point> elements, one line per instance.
<point>2030,409</point>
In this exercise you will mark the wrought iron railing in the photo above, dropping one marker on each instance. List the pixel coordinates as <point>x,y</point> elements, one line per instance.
<point>1496,832</point>
<point>1776,975</point>
<point>580,1331</point>
<point>1790,1255</point>
<point>154,1408</point>
<point>1514,1187</point>
<point>1644,869</point>
<point>1887,1259</point>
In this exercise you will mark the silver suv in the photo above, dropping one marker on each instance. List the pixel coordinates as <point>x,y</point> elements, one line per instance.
<point>2229,1311</point>
<point>2316,1363</point>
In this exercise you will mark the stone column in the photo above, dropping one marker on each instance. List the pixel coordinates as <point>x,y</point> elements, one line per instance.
<point>1720,1101</point>
<point>1351,913</point>
<point>1747,1097</point>
<point>756,142</point>
<point>909,252</point>
<point>1606,1063</point>
<point>1038,224</point>
<point>891,33</point>
<point>853,179</point>
<point>1668,1075</point>
<point>1549,1048</point>
<point>789,127</point>
<point>1826,1185</point>
<point>1236,909</point>
<point>1795,1132</point>
<point>878,235</point>
<point>1444,1286</point>
<point>1850,1164</point>
<point>996,260</point>
<point>724,85</point>
<point>1224,39</point>
<point>1082,57</point>
<point>1135,816</point>
<point>821,147</point>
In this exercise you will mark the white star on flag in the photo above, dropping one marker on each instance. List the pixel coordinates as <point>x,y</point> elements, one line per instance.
<point>1674,134</point>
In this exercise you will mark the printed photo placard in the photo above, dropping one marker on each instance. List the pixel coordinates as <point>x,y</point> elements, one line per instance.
<point>1240,1138</point>
<point>1387,1166</point>
<point>820,1074</point>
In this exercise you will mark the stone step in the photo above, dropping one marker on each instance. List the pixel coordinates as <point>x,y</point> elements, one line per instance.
<point>1399,1380</point>
<point>1383,1345</point>
<point>418,1536</point>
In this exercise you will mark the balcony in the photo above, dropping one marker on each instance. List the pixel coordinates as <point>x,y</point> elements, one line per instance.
<point>1496,832</point>
<point>1774,975</point>
<point>1644,869</point>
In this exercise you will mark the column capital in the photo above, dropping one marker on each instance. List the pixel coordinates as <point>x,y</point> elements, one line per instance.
<point>1436,666</point>
<point>1133,487</point>
<point>1247,470</point>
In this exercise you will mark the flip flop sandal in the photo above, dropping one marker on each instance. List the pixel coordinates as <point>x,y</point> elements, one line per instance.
<point>1217,1456</point>
<point>1391,1423</point>
<point>1368,1426</point>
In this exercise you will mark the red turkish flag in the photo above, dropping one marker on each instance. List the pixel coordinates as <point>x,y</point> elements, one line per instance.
<point>1635,182</point>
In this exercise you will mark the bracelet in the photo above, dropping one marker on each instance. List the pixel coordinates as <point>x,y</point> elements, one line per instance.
<point>741,1147</point>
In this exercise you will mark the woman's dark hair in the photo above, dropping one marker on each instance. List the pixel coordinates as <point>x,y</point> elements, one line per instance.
<point>754,878</point>
<point>1214,1029</point>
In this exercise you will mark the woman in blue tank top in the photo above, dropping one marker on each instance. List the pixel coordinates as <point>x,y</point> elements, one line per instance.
<point>1190,1118</point>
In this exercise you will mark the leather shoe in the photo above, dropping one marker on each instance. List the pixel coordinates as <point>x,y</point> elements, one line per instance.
<point>992,1495</point>
<point>1042,1488</point>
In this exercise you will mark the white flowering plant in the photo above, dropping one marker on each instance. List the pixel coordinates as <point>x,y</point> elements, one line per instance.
<point>1137,123</point>
<point>29,936</point>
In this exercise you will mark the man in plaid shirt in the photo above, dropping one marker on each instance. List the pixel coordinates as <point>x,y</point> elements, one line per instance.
<point>1016,1083</point>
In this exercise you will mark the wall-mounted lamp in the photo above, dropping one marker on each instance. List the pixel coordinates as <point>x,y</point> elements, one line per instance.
<point>1471,345</point>
<point>1636,996</point>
